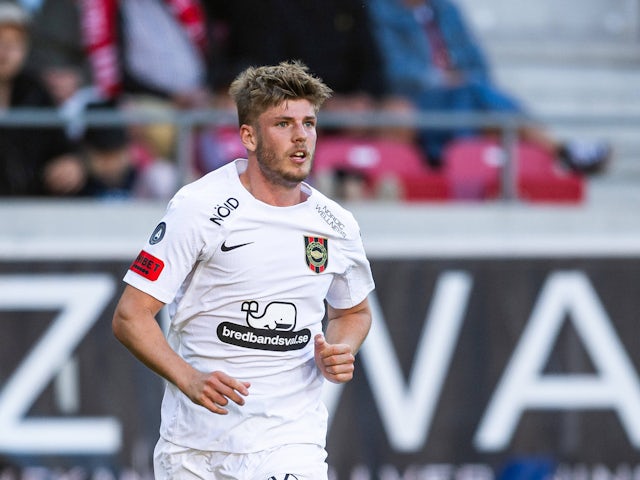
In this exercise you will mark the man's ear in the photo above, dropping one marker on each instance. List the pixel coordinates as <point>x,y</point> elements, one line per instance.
<point>248,137</point>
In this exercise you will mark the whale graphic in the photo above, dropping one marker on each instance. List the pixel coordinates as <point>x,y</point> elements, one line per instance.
<point>276,315</point>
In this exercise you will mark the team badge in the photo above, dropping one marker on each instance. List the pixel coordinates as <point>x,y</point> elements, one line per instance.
<point>316,253</point>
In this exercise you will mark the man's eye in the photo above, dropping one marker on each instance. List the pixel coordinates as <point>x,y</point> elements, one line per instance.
<point>282,124</point>
<point>310,124</point>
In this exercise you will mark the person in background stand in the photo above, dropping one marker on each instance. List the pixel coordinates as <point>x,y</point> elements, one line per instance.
<point>432,58</point>
<point>57,53</point>
<point>147,47</point>
<point>150,56</point>
<point>33,161</point>
<point>342,52</point>
<point>118,169</point>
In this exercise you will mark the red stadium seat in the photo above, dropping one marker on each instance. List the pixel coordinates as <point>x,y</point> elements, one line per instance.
<point>378,161</point>
<point>473,167</point>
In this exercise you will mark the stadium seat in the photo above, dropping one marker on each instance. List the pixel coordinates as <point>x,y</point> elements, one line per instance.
<point>380,163</point>
<point>473,166</point>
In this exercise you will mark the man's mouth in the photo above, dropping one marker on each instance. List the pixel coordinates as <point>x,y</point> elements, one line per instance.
<point>299,155</point>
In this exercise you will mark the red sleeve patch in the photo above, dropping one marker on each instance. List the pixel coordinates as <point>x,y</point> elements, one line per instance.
<point>147,266</point>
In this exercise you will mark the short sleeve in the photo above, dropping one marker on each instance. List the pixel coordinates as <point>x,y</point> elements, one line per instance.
<point>170,254</point>
<point>352,287</point>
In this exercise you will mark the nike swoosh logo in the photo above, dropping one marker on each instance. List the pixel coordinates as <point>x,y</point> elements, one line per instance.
<point>228,248</point>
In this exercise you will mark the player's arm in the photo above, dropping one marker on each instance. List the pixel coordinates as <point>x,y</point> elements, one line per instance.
<point>346,330</point>
<point>134,324</point>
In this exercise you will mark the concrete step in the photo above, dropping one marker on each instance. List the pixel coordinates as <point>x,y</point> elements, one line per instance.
<point>612,191</point>
<point>544,103</point>
<point>556,52</point>
<point>591,93</point>
<point>623,171</point>
<point>566,20</point>
<point>600,85</point>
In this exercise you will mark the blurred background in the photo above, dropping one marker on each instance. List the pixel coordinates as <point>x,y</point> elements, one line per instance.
<point>488,148</point>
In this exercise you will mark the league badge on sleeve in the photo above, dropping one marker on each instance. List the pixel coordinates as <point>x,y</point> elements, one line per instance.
<point>158,233</point>
<point>316,253</point>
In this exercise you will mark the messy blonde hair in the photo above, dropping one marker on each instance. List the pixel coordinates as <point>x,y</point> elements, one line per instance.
<point>258,88</point>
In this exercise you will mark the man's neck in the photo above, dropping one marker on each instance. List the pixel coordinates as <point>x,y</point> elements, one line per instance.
<point>269,193</point>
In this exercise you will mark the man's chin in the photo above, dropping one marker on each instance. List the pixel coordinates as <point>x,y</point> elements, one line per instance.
<point>293,179</point>
<point>295,174</point>
<point>288,179</point>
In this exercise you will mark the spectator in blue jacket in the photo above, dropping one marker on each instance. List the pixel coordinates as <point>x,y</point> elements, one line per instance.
<point>431,56</point>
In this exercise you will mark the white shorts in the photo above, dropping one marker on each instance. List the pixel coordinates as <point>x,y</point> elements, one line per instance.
<point>288,462</point>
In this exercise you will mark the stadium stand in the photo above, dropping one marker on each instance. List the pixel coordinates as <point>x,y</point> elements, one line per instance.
<point>573,60</point>
<point>382,165</point>
<point>472,168</point>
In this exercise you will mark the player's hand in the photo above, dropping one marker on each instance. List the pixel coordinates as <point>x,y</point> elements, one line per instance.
<point>335,361</point>
<point>214,390</point>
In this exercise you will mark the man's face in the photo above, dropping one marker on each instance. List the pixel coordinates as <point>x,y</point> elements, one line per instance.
<point>13,51</point>
<point>62,82</point>
<point>286,141</point>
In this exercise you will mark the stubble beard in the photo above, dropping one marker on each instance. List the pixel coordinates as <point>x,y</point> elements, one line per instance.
<point>268,163</point>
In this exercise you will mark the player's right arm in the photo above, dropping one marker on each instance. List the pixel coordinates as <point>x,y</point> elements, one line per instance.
<point>134,324</point>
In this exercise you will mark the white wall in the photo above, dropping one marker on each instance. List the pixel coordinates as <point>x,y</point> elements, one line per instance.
<point>85,230</point>
<point>573,20</point>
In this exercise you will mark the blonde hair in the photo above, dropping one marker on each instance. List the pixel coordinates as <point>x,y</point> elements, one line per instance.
<point>258,88</point>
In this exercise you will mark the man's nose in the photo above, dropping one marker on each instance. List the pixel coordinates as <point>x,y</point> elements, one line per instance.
<point>299,132</point>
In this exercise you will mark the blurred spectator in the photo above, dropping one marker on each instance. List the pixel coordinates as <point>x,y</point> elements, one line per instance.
<point>432,58</point>
<point>148,47</point>
<point>332,37</point>
<point>151,55</point>
<point>341,48</point>
<point>57,52</point>
<point>59,59</point>
<point>118,169</point>
<point>33,161</point>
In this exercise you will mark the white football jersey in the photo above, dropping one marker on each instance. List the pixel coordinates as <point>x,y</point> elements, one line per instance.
<point>247,282</point>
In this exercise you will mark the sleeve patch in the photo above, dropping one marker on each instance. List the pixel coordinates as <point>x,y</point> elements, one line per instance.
<point>147,266</point>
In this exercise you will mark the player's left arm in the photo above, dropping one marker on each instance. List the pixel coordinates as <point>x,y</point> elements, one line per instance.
<point>346,330</point>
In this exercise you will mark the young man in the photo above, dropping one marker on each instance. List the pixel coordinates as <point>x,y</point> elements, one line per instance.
<point>246,256</point>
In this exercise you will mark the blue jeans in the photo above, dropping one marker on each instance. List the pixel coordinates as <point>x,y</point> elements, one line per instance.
<point>470,97</point>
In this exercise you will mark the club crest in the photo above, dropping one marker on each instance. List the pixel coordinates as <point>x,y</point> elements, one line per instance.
<point>316,253</point>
